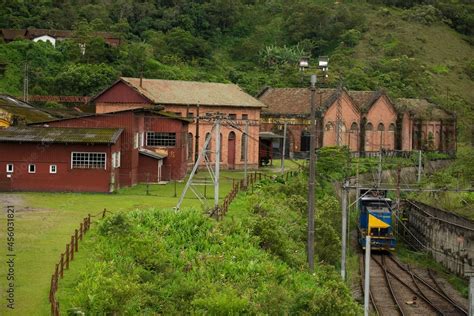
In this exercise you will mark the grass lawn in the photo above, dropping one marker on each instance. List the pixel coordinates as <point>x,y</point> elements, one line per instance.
<point>44,223</point>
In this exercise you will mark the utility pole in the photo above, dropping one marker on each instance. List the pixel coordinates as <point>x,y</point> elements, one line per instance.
<point>471,294</point>
<point>25,83</point>
<point>379,170</point>
<point>419,166</point>
<point>218,161</point>
<point>312,176</point>
<point>246,143</point>
<point>283,149</point>
<point>196,146</point>
<point>367,275</point>
<point>344,229</point>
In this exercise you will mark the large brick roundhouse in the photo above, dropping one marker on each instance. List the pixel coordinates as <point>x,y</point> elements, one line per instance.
<point>370,120</point>
<point>148,145</point>
<point>185,99</point>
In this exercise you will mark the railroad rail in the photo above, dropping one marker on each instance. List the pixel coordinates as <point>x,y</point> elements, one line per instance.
<point>395,289</point>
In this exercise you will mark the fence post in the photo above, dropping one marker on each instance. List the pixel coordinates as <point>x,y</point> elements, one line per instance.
<point>77,240</point>
<point>72,248</point>
<point>175,189</point>
<point>103,213</point>
<point>88,221</point>
<point>81,227</point>
<point>61,266</point>
<point>67,257</point>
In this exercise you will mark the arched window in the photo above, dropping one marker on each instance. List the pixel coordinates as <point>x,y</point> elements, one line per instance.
<point>305,140</point>
<point>329,126</point>
<point>381,127</point>
<point>190,146</point>
<point>354,127</point>
<point>369,127</point>
<point>208,148</point>
<point>391,127</point>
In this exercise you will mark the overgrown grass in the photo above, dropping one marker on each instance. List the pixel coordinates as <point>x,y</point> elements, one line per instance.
<point>159,261</point>
<point>44,224</point>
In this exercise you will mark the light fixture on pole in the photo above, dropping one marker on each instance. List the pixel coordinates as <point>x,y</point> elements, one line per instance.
<point>323,65</point>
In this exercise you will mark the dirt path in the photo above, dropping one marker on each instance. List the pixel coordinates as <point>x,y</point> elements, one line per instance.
<point>17,201</point>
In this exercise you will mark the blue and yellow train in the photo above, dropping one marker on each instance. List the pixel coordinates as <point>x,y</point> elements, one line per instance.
<point>376,220</point>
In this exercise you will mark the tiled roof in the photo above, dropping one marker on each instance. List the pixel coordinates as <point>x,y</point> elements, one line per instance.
<point>292,100</point>
<point>192,92</point>
<point>22,112</point>
<point>60,135</point>
<point>364,99</point>
<point>422,109</point>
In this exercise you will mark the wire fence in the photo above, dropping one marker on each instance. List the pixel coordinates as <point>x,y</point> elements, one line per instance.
<point>68,256</point>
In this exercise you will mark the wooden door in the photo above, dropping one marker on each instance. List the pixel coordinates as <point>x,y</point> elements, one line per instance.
<point>231,151</point>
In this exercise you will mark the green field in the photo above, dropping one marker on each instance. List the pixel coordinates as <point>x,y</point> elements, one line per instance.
<point>44,223</point>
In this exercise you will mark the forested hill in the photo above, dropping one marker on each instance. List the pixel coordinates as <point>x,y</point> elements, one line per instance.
<point>414,48</point>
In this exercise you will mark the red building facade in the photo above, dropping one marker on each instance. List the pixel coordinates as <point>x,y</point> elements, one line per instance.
<point>369,121</point>
<point>187,99</point>
<point>167,149</point>
<point>59,159</point>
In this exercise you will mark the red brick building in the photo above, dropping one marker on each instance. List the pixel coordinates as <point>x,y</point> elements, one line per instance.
<point>183,98</point>
<point>370,120</point>
<point>59,159</point>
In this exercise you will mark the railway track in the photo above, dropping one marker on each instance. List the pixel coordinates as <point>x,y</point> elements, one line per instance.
<point>397,290</point>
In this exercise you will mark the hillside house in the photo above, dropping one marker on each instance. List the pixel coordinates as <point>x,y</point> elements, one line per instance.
<point>52,36</point>
<point>370,120</point>
<point>188,99</point>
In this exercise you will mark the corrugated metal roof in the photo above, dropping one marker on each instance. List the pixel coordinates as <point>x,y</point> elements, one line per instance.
<point>193,92</point>
<point>60,135</point>
<point>152,154</point>
<point>22,111</point>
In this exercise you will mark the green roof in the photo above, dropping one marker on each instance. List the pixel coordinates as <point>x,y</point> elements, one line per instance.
<point>60,135</point>
<point>22,113</point>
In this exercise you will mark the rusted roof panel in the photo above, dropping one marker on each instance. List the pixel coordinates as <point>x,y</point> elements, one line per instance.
<point>60,135</point>
<point>193,92</point>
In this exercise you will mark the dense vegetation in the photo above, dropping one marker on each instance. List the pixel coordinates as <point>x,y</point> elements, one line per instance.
<point>165,262</point>
<point>418,48</point>
<point>459,175</point>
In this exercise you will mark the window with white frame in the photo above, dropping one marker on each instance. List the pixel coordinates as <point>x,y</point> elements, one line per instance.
<point>83,160</point>
<point>31,168</point>
<point>135,141</point>
<point>160,139</point>
<point>10,168</point>
<point>53,169</point>
<point>142,139</point>
<point>116,160</point>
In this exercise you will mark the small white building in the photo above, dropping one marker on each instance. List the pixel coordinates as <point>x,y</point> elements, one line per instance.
<point>45,38</point>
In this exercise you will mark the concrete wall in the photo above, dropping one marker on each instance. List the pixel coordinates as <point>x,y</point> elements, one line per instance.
<point>447,236</point>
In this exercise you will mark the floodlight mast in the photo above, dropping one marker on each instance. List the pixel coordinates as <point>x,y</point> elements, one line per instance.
<point>322,65</point>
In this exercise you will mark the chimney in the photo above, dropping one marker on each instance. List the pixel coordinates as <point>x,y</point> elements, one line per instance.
<point>141,80</point>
